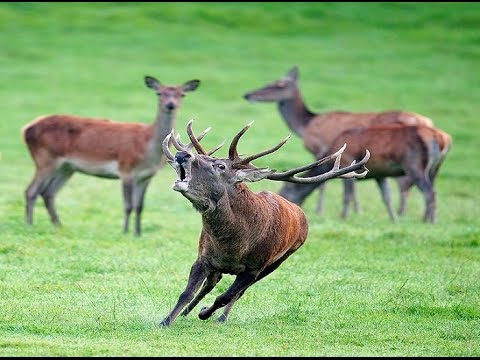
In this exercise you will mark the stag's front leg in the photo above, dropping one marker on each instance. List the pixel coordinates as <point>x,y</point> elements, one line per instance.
<point>198,273</point>
<point>242,281</point>
<point>209,284</point>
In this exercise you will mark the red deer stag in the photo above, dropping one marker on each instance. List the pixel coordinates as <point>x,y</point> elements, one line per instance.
<point>244,233</point>
<point>132,152</point>
<point>318,130</point>
<point>397,150</point>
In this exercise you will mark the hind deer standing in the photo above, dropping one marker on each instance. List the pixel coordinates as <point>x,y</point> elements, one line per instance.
<point>318,130</point>
<point>397,150</point>
<point>63,144</point>
<point>244,233</point>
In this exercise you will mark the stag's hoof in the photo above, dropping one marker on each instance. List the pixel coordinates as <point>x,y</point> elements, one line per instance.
<point>203,314</point>
<point>222,318</point>
<point>165,323</point>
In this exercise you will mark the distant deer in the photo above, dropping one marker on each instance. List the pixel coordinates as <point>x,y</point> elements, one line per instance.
<point>244,233</point>
<point>318,130</point>
<point>397,150</point>
<point>132,152</point>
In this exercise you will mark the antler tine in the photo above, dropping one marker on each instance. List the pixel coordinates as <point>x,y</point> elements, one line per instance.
<point>177,143</point>
<point>196,141</point>
<point>263,153</point>
<point>216,148</point>
<point>232,151</point>
<point>346,172</point>
<point>165,144</point>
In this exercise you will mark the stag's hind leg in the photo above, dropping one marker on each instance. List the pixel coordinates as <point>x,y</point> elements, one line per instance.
<point>241,283</point>
<point>265,272</point>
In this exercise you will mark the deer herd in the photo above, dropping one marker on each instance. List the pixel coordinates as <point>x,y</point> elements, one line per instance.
<point>243,233</point>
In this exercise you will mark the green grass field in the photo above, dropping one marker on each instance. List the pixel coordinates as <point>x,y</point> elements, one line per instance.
<point>358,287</point>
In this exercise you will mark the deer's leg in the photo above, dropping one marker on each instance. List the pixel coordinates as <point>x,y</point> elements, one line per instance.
<point>430,202</point>
<point>242,281</point>
<point>385,190</point>
<point>37,185</point>
<point>265,272</point>
<point>356,204</point>
<point>348,194</point>
<point>127,202</point>
<point>48,194</point>
<point>404,184</point>
<point>198,273</point>
<point>212,280</point>
<point>137,202</point>
<point>321,197</point>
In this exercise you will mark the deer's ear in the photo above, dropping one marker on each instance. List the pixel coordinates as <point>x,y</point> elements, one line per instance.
<point>293,73</point>
<point>152,83</point>
<point>190,85</point>
<point>251,175</point>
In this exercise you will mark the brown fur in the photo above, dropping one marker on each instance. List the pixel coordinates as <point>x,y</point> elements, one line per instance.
<point>63,144</point>
<point>396,150</point>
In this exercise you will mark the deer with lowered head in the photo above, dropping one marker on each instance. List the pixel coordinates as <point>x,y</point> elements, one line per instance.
<point>244,233</point>
<point>63,144</point>
<point>319,130</point>
<point>413,152</point>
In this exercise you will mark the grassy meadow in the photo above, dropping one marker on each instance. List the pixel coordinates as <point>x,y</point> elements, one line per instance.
<point>360,287</point>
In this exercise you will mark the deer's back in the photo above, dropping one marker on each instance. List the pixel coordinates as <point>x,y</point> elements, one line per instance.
<point>324,128</point>
<point>73,136</point>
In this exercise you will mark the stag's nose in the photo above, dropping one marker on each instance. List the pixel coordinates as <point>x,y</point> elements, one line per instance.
<point>246,96</point>
<point>170,106</point>
<point>182,156</point>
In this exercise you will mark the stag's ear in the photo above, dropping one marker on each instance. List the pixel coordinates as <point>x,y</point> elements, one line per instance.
<point>152,83</point>
<point>293,73</point>
<point>190,85</point>
<point>251,175</point>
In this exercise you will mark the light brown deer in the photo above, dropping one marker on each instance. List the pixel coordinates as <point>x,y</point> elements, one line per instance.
<point>63,144</point>
<point>318,130</point>
<point>244,233</point>
<point>397,150</point>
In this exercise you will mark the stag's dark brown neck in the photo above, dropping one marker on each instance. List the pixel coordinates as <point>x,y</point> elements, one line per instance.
<point>295,113</point>
<point>164,123</point>
<point>234,216</point>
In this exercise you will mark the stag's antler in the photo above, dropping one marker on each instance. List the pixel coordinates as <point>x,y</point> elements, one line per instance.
<point>238,162</point>
<point>195,142</point>
<point>289,175</point>
<point>347,172</point>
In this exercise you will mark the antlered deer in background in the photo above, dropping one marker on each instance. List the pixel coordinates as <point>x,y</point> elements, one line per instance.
<point>244,233</point>
<point>318,130</point>
<point>396,150</point>
<point>132,152</point>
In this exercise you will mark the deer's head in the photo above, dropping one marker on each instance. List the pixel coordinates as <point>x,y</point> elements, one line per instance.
<point>170,96</point>
<point>278,90</point>
<point>205,180</point>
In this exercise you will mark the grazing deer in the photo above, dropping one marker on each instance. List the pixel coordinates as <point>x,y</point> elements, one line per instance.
<point>244,233</point>
<point>132,152</point>
<point>318,130</point>
<point>397,150</point>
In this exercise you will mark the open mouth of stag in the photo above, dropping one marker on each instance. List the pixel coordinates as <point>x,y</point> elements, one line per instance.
<point>183,176</point>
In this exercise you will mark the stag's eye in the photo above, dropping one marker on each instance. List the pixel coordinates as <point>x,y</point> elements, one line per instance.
<point>220,166</point>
